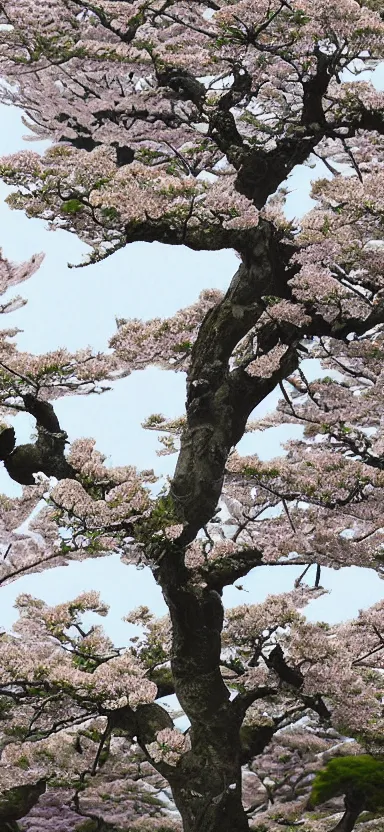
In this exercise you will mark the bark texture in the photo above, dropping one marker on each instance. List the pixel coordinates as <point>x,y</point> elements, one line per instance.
<point>207,784</point>
<point>354,805</point>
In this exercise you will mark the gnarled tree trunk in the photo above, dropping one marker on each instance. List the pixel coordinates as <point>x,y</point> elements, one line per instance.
<point>207,789</point>
<point>214,811</point>
<point>206,785</point>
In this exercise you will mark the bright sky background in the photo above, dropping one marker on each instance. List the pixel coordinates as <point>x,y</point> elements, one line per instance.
<point>76,308</point>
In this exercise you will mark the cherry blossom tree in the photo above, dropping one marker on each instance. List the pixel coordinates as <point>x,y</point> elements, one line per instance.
<point>179,122</point>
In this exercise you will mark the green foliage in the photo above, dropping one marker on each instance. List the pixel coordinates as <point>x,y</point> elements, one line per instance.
<point>163,513</point>
<point>100,182</point>
<point>87,826</point>
<point>17,801</point>
<point>184,346</point>
<point>22,762</point>
<point>162,675</point>
<point>110,213</point>
<point>326,228</point>
<point>252,472</point>
<point>17,731</point>
<point>5,707</point>
<point>72,206</point>
<point>270,300</point>
<point>360,774</point>
<point>153,420</point>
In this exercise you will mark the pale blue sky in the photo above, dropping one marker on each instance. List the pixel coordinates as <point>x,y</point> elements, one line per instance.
<point>76,308</point>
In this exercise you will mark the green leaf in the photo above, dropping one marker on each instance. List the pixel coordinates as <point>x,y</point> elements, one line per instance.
<point>362,775</point>
<point>72,206</point>
<point>110,213</point>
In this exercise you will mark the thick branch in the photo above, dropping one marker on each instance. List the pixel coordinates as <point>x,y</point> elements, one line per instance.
<point>261,172</point>
<point>293,677</point>
<point>46,454</point>
<point>254,740</point>
<point>218,401</point>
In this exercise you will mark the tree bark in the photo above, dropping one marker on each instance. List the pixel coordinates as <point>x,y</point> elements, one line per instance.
<point>217,810</point>
<point>206,784</point>
<point>354,805</point>
<point>219,400</point>
<point>347,822</point>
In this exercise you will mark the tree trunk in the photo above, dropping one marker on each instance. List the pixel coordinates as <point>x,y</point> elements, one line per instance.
<point>212,812</point>
<point>206,785</point>
<point>207,788</point>
<point>347,822</point>
<point>354,805</point>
